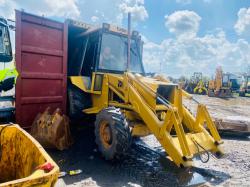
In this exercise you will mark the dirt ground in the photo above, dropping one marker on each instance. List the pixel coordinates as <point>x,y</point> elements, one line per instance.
<point>146,163</point>
<point>234,110</point>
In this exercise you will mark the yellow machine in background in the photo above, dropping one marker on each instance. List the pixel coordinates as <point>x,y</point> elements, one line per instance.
<point>245,86</point>
<point>196,84</point>
<point>112,86</point>
<point>220,86</point>
<point>200,88</point>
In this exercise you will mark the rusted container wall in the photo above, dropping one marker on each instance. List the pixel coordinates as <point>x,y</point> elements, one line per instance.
<point>41,60</point>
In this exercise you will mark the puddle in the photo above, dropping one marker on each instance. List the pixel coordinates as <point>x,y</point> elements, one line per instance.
<point>196,180</point>
<point>151,168</point>
<point>185,176</point>
<point>145,165</point>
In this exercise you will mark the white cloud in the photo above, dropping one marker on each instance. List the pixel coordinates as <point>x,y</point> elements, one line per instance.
<point>136,7</point>
<point>58,8</point>
<point>7,8</point>
<point>183,23</point>
<point>184,1</point>
<point>242,26</point>
<point>185,55</point>
<point>111,11</point>
<point>94,19</point>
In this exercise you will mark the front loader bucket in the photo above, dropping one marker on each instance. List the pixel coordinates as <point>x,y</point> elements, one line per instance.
<point>52,130</point>
<point>23,161</point>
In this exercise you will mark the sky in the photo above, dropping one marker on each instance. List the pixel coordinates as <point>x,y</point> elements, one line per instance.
<point>180,36</point>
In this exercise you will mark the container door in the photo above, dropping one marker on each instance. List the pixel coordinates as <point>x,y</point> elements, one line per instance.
<point>41,60</point>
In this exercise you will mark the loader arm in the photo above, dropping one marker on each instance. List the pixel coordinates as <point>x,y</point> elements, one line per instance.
<point>182,146</point>
<point>181,134</point>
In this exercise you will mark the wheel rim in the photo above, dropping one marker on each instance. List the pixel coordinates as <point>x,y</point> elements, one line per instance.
<point>106,134</point>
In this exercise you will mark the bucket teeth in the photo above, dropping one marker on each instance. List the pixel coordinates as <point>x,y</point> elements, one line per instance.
<point>52,129</point>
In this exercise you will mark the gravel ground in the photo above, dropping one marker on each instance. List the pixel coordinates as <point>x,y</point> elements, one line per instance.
<point>142,166</point>
<point>231,170</point>
<point>234,108</point>
<point>236,163</point>
<point>146,163</point>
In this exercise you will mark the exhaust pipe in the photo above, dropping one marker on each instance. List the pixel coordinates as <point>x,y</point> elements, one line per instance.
<point>129,40</point>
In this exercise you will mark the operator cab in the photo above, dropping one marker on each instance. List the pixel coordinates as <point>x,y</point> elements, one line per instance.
<point>226,80</point>
<point>104,50</point>
<point>5,45</point>
<point>113,53</point>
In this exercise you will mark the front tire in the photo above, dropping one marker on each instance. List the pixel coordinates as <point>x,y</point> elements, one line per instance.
<point>113,135</point>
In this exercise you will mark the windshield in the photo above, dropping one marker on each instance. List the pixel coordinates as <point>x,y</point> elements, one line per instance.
<point>5,47</point>
<point>113,56</point>
<point>4,40</point>
<point>225,79</point>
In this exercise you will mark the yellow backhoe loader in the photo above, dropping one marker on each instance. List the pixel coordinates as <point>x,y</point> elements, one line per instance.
<point>220,86</point>
<point>111,85</point>
<point>245,86</point>
<point>196,85</point>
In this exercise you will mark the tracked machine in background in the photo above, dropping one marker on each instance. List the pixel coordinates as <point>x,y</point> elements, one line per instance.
<point>109,83</point>
<point>245,86</point>
<point>220,86</point>
<point>196,84</point>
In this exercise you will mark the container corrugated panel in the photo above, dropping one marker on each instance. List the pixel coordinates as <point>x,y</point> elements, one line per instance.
<point>41,60</point>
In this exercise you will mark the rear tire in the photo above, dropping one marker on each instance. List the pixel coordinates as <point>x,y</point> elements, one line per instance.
<point>113,135</point>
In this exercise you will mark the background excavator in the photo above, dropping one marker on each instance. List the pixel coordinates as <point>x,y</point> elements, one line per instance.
<point>220,86</point>
<point>109,82</point>
<point>245,86</point>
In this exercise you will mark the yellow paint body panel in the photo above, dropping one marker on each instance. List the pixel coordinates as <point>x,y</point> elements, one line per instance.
<point>21,155</point>
<point>150,112</point>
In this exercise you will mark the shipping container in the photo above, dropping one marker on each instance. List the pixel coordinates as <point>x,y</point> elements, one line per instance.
<point>46,52</point>
<point>41,60</point>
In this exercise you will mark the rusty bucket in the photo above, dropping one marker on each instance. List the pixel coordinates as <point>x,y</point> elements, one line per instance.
<point>52,130</point>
